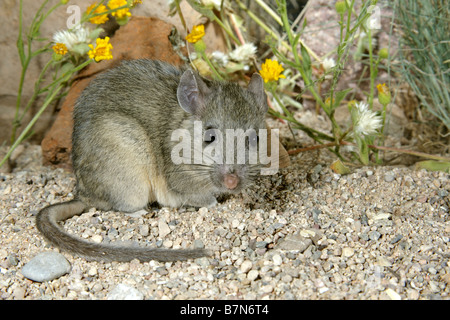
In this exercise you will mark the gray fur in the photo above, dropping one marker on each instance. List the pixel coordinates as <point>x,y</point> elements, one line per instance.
<point>122,149</point>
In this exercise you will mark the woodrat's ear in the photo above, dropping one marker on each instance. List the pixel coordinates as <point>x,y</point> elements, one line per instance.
<point>191,93</point>
<point>256,86</point>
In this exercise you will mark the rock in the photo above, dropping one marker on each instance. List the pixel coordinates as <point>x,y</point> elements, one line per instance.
<point>144,230</point>
<point>382,216</point>
<point>261,244</point>
<point>198,244</point>
<point>124,292</point>
<point>389,177</point>
<point>392,294</point>
<point>374,235</point>
<point>163,228</point>
<point>294,242</point>
<point>141,37</point>
<point>396,239</point>
<point>246,266</point>
<point>348,252</point>
<point>267,288</point>
<point>46,266</point>
<point>277,260</point>
<point>252,275</point>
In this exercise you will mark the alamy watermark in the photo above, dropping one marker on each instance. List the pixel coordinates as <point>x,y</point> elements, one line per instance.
<point>75,16</point>
<point>234,146</point>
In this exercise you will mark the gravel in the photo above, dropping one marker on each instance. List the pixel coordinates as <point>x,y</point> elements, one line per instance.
<point>356,236</point>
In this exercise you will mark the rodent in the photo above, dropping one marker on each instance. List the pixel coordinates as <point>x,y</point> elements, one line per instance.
<point>121,149</point>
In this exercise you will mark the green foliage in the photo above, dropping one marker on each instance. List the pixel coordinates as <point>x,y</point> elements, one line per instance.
<point>425,58</point>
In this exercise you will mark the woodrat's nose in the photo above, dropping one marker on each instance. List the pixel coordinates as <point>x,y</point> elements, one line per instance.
<point>230,180</point>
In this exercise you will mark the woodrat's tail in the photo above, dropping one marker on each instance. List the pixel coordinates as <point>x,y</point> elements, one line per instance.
<point>47,223</point>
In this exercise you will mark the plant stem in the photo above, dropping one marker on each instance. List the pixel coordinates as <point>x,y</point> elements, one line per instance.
<point>211,66</point>
<point>372,69</point>
<point>393,149</point>
<point>36,91</point>
<point>30,124</point>
<point>180,14</point>
<point>58,85</point>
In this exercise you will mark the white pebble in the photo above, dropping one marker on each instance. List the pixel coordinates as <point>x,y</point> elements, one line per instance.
<point>252,275</point>
<point>392,294</point>
<point>267,288</point>
<point>246,266</point>
<point>277,260</point>
<point>163,228</point>
<point>124,292</point>
<point>97,238</point>
<point>348,252</point>
<point>92,271</point>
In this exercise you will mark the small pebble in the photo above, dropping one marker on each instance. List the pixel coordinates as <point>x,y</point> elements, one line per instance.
<point>163,228</point>
<point>198,244</point>
<point>124,292</point>
<point>246,266</point>
<point>46,266</point>
<point>392,294</point>
<point>277,260</point>
<point>389,177</point>
<point>348,252</point>
<point>267,288</point>
<point>396,239</point>
<point>374,235</point>
<point>252,275</point>
<point>295,242</point>
<point>261,244</point>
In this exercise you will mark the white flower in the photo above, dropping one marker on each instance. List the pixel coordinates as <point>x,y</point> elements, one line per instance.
<point>362,107</point>
<point>243,53</point>
<point>212,3</point>
<point>220,58</point>
<point>368,122</point>
<point>328,64</point>
<point>72,37</point>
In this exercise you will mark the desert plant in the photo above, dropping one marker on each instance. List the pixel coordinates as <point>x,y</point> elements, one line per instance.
<point>72,51</point>
<point>425,57</point>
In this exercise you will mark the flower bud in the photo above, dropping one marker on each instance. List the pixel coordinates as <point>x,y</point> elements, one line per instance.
<point>383,53</point>
<point>341,7</point>
<point>384,95</point>
<point>200,46</point>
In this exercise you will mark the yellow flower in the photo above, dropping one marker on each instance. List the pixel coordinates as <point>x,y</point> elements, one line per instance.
<point>384,95</point>
<point>102,51</point>
<point>60,48</point>
<point>271,70</point>
<point>100,9</point>
<point>196,34</point>
<point>122,13</point>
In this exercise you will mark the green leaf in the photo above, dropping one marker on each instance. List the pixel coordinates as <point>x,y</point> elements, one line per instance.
<point>95,33</point>
<point>306,62</point>
<point>338,167</point>
<point>66,67</point>
<point>339,96</point>
<point>363,149</point>
<point>201,9</point>
<point>81,49</point>
<point>433,165</point>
